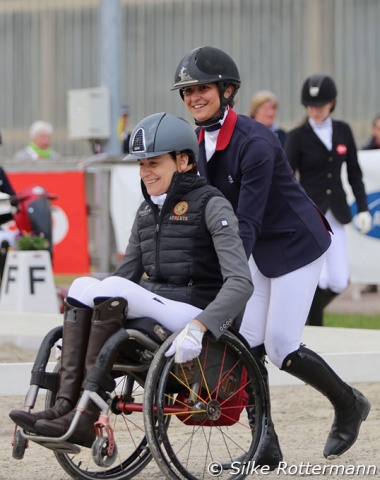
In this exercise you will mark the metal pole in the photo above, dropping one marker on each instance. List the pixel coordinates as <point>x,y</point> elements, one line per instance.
<point>109,64</point>
<point>109,76</point>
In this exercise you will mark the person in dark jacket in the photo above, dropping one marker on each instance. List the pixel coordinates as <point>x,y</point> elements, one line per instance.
<point>5,184</point>
<point>6,236</point>
<point>317,150</point>
<point>185,239</point>
<point>285,237</point>
<point>373,144</point>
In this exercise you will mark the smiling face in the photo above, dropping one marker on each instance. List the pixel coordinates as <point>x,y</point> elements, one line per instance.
<point>319,114</point>
<point>203,102</point>
<point>157,172</point>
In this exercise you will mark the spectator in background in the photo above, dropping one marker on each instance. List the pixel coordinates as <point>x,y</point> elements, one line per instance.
<point>123,128</point>
<point>5,184</point>
<point>6,187</point>
<point>6,235</point>
<point>316,151</point>
<point>40,134</point>
<point>373,144</point>
<point>264,109</point>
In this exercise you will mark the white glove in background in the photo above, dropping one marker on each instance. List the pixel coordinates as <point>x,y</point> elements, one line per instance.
<point>58,349</point>
<point>187,344</point>
<point>363,222</point>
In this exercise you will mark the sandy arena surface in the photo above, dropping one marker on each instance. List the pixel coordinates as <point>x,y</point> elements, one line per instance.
<point>302,417</point>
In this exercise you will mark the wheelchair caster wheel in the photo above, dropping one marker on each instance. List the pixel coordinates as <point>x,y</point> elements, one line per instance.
<point>99,452</point>
<point>19,446</point>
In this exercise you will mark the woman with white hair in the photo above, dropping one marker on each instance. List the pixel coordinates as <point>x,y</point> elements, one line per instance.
<point>40,134</point>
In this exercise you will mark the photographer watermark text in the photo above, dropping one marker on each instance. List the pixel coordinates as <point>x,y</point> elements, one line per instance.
<point>284,468</point>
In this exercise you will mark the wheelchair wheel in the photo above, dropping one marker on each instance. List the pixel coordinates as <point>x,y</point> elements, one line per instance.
<point>19,446</point>
<point>209,423</point>
<point>133,454</point>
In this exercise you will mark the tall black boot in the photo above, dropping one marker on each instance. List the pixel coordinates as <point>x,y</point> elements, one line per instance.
<point>322,298</point>
<point>270,454</point>
<point>108,317</point>
<point>76,329</point>
<point>350,406</point>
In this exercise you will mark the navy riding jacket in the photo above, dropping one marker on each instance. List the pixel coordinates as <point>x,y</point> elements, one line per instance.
<point>279,224</point>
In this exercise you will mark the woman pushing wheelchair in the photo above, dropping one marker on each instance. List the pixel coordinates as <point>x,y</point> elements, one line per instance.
<point>184,266</point>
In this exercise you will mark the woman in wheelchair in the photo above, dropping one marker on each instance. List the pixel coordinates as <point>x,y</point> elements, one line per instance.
<point>184,265</point>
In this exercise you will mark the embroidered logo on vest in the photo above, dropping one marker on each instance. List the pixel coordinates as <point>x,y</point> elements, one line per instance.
<point>145,211</point>
<point>179,210</point>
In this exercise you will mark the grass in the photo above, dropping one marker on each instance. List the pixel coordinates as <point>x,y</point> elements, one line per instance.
<point>345,320</point>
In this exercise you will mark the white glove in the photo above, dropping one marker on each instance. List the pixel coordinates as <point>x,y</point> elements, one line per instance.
<point>187,344</point>
<point>363,222</point>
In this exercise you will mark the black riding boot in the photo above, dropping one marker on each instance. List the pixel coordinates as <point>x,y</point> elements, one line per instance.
<point>322,298</point>
<point>76,329</point>
<point>108,318</point>
<point>270,454</point>
<point>350,406</point>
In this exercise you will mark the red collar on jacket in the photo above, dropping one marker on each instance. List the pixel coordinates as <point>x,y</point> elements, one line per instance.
<point>225,133</point>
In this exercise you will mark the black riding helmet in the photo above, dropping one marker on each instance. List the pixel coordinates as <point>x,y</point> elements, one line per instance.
<point>318,90</point>
<point>208,65</point>
<point>162,133</point>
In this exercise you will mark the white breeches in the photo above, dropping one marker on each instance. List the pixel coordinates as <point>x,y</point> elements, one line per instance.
<point>141,303</point>
<point>335,272</point>
<point>277,311</point>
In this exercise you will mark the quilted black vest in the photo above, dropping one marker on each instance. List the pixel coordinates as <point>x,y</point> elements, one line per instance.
<point>177,250</point>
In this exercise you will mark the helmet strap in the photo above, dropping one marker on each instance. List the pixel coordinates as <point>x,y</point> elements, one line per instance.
<point>224,103</point>
<point>211,121</point>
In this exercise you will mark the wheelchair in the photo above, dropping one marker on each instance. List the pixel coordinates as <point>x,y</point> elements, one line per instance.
<point>190,418</point>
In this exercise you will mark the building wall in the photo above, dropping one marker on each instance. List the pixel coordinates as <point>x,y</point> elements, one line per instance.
<point>49,46</point>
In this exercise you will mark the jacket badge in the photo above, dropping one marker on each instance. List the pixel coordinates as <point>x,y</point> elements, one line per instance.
<point>179,211</point>
<point>341,149</point>
<point>181,208</point>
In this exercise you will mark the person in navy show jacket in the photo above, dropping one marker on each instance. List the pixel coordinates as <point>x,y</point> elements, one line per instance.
<point>317,151</point>
<point>284,234</point>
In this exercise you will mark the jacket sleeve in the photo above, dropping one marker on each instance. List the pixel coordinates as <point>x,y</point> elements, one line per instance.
<point>237,281</point>
<point>292,149</point>
<point>354,173</point>
<point>131,266</point>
